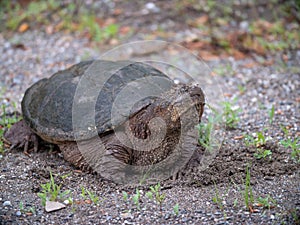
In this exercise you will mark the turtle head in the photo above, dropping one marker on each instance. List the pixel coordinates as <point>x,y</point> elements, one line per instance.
<point>187,97</point>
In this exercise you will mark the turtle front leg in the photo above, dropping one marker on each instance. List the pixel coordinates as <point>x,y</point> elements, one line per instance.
<point>21,136</point>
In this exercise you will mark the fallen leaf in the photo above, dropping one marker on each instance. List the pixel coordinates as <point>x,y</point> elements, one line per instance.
<point>109,21</point>
<point>268,62</point>
<point>125,29</point>
<point>251,209</point>
<point>238,137</point>
<point>227,95</point>
<point>117,11</point>
<point>88,201</point>
<point>250,65</point>
<point>208,56</point>
<point>202,20</point>
<point>238,55</point>
<point>23,27</point>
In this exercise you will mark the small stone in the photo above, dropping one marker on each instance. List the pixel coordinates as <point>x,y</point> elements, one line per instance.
<point>53,206</point>
<point>152,7</point>
<point>67,202</point>
<point>272,217</point>
<point>167,216</point>
<point>125,215</point>
<point>7,203</point>
<point>108,217</point>
<point>18,213</point>
<point>244,25</point>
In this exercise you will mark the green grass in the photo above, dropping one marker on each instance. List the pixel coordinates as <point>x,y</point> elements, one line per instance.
<point>86,194</point>
<point>294,145</point>
<point>230,114</point>
<point>26,209</point>
<point>125,195</point>
<point>262,153</point>
<point>158,196</point>
<point>136,199</point>
<point>217,199</point>
<point>248,194</point>
<point>271,114</point>
<point>52,192</point>
<point>205,132</point>
<point>267,202</point>
<point>259,143</point>
<point>176,209</point>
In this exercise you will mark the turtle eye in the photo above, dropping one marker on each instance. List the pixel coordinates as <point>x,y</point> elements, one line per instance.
<point>183,89</point>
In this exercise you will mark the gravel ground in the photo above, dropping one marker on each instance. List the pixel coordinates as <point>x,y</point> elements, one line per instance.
<point>262,87</point>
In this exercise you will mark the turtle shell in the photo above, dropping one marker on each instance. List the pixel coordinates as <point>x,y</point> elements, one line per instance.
<point>48,105</point>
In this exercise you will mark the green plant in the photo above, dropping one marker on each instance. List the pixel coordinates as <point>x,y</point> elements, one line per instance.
<point>158,196</point>
<point>88,21</point>
<point>23,209</point>
<point>217,199</point>
<point>266,202</point>
<point>205,129</point>
<point>230,114</point>
<point>65,176</point>
<point>259,143</point>
<point>248,194</point>
<point>92,196</point>
<point>271,114</point>
<point>295,215</point>
<point>83,193</point>
<point>241,88</point>
<point>21,206</point>
<point>51,191</point>
<point>226,69</point>
<point>176,209</point>
<point>235,202</point>
<point>149,194</point>
<point>125,195</point>
<point>136,199</point>
<point>262,153</point>
<point>294,145</point>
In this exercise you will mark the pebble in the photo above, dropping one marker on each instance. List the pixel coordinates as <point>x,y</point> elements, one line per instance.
<point>18,213</point>
<point>53,206</point>
<point>6,203</point>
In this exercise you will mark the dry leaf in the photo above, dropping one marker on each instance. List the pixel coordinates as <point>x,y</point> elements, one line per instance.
<point>202,20</point>
<point>125,29</point>
<point>23,27</point>
<point>250,65</point>
<point>117,12</point>
<point>88,201</point>
<point>238,137</point>
<point>206,55</point>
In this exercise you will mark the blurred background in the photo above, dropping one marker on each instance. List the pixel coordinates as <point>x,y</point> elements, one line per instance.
<point>223,28</point>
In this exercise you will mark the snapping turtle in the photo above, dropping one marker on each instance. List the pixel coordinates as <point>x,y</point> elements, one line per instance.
<point>101,101</point>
